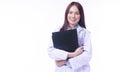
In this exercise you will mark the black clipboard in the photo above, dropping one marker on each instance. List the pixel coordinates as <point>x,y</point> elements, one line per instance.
<point>65,40</point>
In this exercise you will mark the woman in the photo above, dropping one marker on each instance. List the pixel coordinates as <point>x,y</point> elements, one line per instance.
<point>77,61</point>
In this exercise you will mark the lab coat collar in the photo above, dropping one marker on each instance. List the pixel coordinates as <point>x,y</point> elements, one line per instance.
<point>68,27</point>
<point>78,27</point>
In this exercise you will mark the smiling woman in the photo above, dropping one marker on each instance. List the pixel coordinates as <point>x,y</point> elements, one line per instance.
<point>73,16</point>
<point>26,26</point>
<point>77,61</point>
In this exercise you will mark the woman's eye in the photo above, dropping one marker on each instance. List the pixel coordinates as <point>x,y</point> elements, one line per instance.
<point>70,12</point>
<point>77,13</point>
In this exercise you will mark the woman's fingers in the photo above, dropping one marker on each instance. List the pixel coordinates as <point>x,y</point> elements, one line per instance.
<point>60,63</point>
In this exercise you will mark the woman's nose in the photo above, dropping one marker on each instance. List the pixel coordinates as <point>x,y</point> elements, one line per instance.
<point>73,15</point>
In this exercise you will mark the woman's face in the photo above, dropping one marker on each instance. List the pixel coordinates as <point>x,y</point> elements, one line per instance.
<point>73,16</point>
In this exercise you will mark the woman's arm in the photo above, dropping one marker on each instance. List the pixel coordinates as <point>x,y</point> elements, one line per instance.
<point>85,57</point>
<point>77,52</point>
<point>56,54</point>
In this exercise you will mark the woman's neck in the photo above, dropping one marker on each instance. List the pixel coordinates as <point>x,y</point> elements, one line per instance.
<point>72,26</point>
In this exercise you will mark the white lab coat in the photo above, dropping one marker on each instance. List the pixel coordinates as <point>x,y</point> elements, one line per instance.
<point>79,63</point>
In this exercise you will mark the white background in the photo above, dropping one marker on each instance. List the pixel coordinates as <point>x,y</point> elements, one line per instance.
<point>26,25</point>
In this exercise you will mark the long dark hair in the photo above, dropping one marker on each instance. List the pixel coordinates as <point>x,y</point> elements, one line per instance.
<point>81,11</point>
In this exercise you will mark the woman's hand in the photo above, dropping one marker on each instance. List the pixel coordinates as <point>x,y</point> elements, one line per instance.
<point>60,63</point>
<point>77,52</point>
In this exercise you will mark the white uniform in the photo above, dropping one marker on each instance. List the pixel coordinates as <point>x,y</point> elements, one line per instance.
<point>79,63</point>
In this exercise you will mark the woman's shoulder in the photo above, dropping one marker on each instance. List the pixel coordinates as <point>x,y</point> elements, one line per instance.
<point>82,29</point>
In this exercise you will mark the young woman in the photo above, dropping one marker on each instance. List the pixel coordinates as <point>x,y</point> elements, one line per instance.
<point>77,61</point>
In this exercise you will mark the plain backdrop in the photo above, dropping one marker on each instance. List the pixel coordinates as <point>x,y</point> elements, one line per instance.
<point>26,26</point>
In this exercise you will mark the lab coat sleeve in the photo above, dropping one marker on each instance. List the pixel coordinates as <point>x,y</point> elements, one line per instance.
<point>56,54</point>
<point>85,57</point>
